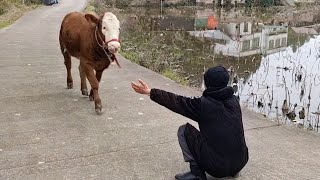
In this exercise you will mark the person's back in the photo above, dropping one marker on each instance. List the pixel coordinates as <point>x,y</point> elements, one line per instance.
<point>222,130</point>
<point>219,148</point>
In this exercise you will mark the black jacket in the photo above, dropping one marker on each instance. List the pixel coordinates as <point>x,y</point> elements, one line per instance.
<point>223,151</point>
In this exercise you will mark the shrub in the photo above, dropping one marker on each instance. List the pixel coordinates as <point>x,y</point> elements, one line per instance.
<point>4,5</point>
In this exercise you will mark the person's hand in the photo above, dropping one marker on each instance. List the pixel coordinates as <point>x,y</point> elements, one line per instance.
<point>141,88</point>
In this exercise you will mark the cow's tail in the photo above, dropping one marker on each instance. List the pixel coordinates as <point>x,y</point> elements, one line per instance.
<point>64,51</point>
<point>62,46</point>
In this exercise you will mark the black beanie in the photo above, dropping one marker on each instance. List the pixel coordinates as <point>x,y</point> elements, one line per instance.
<point>216,77</point>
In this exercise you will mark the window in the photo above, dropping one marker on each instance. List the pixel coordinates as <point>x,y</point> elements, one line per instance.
<point>246,27</point>
<point>277,43</point>
<point>284,41</point>
<point>255,43</point>
<point>246,45</point>
<point>271,44</point>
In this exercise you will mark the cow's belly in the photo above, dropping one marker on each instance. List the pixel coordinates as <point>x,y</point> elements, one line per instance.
<point>74,53</point>
<point>71,41</point>
<point>73,47</point>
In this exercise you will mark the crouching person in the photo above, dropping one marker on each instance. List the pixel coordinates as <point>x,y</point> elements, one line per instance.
<point>219,148</point>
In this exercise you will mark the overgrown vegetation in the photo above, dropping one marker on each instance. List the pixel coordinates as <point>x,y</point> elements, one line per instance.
<point>175,77</point>
<point>144,43</point>
<point>4,5</point>
<point>263,3</point>
<point>11,10</point>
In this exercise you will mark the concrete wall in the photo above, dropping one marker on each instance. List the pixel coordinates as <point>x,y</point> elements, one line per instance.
<point>305,1</point>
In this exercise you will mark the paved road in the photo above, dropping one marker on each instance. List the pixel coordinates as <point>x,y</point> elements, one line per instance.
<point>49,132</point>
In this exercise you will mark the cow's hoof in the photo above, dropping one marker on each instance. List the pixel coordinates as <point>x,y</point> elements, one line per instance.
<point>98,109</point>
<point>70,85</point>
<point>91,98</point>
<point>85,92</point>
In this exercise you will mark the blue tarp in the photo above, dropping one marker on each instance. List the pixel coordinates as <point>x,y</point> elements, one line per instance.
<point>50,2</point>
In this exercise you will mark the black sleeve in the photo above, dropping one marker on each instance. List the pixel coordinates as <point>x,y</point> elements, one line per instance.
<point>186,106</point>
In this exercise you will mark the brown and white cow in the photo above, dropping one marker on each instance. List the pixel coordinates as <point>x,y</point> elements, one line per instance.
<point>93,40</point>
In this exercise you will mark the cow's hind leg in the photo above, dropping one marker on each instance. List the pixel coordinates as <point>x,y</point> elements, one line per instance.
<point>84,89</point>
<point>67,62</point>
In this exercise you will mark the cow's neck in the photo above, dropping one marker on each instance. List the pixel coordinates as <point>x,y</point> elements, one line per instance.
<point>99,51</point>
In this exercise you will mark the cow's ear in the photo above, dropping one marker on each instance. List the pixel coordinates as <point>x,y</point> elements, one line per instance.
<point>91,19</point>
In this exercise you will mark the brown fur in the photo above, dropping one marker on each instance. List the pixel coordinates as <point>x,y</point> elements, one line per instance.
<point>77,39</point>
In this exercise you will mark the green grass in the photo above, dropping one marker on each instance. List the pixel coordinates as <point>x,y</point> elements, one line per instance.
<point>11,10</point>
<point>5,23</point>
<point>8,18</point>
<point>175,77</point>
<point>130,55</point>
<point>169,73</point>
<point>90,8</point>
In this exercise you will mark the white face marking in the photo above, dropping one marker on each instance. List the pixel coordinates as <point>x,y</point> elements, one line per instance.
<point>111,30</point>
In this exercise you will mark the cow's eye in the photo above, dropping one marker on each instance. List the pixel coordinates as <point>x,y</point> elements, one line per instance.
<point>104,27</point>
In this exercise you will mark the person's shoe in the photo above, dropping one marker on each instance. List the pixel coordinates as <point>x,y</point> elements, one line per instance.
<point>187,176</point>
<point>195,170</point>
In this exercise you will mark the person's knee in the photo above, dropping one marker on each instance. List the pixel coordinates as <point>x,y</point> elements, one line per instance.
<point>181,130</point>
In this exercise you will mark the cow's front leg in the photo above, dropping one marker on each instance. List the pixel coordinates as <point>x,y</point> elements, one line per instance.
<point>88,69</point>
<point>98,76</point>
<point>84,89</point>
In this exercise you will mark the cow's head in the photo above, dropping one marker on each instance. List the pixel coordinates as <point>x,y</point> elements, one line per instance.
<point>108,27</point>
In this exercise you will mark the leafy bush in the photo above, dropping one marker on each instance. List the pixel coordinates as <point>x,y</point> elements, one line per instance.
<point>34,1</point>
<point>4,5</point>
<point>99,5</point>
<point>175,76</point>
<point>122,3</point>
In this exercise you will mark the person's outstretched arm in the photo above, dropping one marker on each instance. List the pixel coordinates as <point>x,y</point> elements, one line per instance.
<point>186,106</point>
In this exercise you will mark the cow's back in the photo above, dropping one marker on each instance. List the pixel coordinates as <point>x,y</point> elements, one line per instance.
<point>74,25</point>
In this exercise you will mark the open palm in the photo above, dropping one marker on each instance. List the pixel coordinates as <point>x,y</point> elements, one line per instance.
<point>141,88</point>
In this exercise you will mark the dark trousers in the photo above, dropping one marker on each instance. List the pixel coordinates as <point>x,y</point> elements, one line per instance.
<point>190,139</point>
<point>190,142</point>
<point>187,155</point>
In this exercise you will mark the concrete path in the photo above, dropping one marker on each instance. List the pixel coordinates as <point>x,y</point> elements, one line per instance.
<point>49,132</point>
